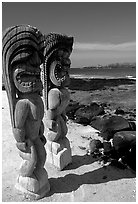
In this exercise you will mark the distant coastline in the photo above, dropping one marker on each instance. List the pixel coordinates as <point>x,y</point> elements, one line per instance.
<point>99,77</point>
<point>109,66</point>
<point>111,71</point>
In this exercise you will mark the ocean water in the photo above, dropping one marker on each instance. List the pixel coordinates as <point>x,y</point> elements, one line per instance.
<point>103,73</point>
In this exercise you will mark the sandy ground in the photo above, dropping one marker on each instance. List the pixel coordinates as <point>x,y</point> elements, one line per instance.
<point>83,180</point>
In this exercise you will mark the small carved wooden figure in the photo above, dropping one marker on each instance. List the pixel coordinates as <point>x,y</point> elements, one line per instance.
<point>22,57</point>
<point>56,78</point>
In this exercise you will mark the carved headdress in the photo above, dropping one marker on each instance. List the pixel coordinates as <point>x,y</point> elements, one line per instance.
<point>53,42</point>
<point>19,43</point>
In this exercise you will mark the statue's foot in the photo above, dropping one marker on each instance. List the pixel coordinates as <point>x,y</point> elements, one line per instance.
<point>54,147</point>
<point>59,154</point>
<point>35,186</point>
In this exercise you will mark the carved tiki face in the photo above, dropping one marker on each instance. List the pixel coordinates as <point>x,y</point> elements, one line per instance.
<point>57,50</point>
<point>26,74</point>
<point>59,68</point>
<point>22,53</point>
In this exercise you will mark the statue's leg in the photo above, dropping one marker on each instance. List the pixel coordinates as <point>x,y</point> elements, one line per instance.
<point>41,153</point>
<point>29,161</point>
<point>59,152</point>
<point>34,183</point>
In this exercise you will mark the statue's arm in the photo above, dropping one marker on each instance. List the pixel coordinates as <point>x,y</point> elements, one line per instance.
<point>20,115</point>
<point>41,133</point>
<point>52,113</point>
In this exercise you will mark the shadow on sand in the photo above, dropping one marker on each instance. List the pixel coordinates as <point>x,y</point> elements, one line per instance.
<point>78,161</point>
<point>71,182</point>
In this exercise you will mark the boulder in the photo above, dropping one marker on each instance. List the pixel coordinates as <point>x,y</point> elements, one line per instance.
<point>86,113</point>
<point>71,109</point>
<point>124,143</point>
<point>93,146</point>
<point>112,124</point>
<point>119,111</point>
<point>108,125</point>
<point>97,122</point>
<point>123,140</point>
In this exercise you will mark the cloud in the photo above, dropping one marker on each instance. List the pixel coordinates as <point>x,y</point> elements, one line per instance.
<point>128,46</point>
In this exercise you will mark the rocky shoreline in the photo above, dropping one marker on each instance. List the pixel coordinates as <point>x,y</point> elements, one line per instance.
<point>108,105</point>
<point>92,99</point>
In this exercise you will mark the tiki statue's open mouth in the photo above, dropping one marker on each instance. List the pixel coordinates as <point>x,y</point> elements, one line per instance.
<point>27,81</point>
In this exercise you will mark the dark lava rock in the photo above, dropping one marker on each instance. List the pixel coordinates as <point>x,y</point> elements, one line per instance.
<point>94,145</point>
<point>119,111</point>
<point>85,114</point>
<point>97,122</point>
<point>110,123</point>
<point>122,140</point>
<point>82,120</point>
<point>104,104</point>
<point>124,143</point>
<point>71,109</point>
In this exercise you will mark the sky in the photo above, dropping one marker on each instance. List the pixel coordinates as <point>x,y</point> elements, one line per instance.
<point>104,32</point>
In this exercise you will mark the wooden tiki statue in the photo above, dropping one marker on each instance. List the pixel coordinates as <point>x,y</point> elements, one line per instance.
<point>22,56</point>
<point>56,96</point>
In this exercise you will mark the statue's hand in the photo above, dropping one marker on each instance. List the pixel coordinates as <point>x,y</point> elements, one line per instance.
<point>28,152</point>
<point>24,146</point>
<point>21,146</point>
<point>19,134</point>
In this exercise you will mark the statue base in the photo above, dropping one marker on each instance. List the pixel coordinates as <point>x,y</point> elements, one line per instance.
<point>59,153</point>
<point>35,186</point>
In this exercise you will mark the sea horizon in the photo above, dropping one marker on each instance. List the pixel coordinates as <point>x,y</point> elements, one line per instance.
<point>105,72</point>
<point>125,70</point>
